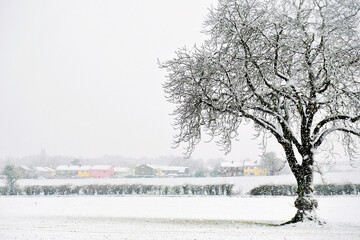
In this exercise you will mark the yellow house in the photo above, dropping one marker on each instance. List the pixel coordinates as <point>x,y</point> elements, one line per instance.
<point>255,171</point>
<point>242,168</point>
<point>84,171</point>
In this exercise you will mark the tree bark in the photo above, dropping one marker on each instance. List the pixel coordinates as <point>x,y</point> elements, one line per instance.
<point>305,202</point>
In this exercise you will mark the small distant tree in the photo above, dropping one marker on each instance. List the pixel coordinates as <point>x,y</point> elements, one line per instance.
<point>76,161</point>
<point>200,172</point>
<point>11,177</point>
<point>292,68</point>
<point>273,164</point>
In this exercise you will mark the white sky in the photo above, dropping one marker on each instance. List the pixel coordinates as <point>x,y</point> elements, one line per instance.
<point>80,77</point>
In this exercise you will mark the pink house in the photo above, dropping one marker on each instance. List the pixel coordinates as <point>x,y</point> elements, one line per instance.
<point>101,171</point>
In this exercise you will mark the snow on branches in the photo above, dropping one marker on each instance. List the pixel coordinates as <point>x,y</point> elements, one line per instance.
<point>290,67</point>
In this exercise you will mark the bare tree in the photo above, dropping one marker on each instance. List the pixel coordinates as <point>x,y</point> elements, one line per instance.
<point>290,67</point>
<point>272,163</point>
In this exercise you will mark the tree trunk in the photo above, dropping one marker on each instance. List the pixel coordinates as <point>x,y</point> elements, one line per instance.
<point>305,203</point>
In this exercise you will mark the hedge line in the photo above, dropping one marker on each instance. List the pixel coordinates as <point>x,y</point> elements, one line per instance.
<point>133,189</point>
<point>139,189</point>
<point>321,190</point>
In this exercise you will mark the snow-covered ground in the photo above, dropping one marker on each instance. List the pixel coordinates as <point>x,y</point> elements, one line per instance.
<point>242,184</point>
<point>134,217</point>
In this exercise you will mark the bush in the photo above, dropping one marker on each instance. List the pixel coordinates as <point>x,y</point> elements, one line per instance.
<point>4,190</point>
<point>48,190</point>
<point>103,190</point>
<point>357,187</point>
<point>64,190</point>
<point>176,190</point>
<point>186,189</point>
<point>349,189</point>
<point>32,190</point>
<point>88,189</point>
<point>75,190</point>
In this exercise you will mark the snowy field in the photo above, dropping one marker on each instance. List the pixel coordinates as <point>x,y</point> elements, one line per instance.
<point>134,217</point>
<point>242,184</point>
<point>186,217</point>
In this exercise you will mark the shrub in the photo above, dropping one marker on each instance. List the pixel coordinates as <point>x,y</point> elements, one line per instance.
<point>64,189</point>
<point>48,190</point>
<point>32,190</point>
<point>4,190</point>
<point>349,189</point>
<point>166,190</point>
<point>88,189</point>
<point>75,190</point>
<point>103,189</point>
<point>186,189</point>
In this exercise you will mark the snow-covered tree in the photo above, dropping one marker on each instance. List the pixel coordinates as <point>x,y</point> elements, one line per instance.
<point>289,67</point>
<point>272,163</point>
<point>11,177</point>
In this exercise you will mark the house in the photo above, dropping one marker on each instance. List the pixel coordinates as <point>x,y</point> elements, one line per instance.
<point>78,171</point>
<point>45,172</point>
<point>255,170</point>
<point>25,172</point>
<point>160,171</point>
<point>244,168</point>
<point>67,171</point>
<point>147,170</point>
<point>84,171</point>
<point>122,172</point>
<point>231,169</point>
<point>101,171</point>
<point>173,171</point>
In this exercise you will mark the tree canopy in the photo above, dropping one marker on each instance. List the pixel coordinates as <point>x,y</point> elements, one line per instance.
<point>288,66</point>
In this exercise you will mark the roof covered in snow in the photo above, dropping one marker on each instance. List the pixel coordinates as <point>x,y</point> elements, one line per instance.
<point>166,168</point>
<point>44,169</point>
<point>49,169</point>
<point>121,169</point>
<point>173,168</point>
<point>41,169</point>
<point>101,167</point>
<point>149,165</point>
<point>68,168</point>
<point>82,168</point>
<point>231,164</point>
<point>239,164</point>
<point>25,168</point>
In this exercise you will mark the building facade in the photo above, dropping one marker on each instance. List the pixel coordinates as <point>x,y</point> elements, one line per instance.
<point>101,171</point>
<point>244,168</point>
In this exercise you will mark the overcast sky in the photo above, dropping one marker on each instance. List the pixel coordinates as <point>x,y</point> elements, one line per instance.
<point>81,78</point>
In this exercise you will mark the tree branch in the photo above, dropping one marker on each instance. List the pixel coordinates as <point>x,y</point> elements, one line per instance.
<point>320,140</point>
<point>332,119</point>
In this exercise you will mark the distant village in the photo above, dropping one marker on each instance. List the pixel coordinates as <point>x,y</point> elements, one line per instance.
<point>226,169</point>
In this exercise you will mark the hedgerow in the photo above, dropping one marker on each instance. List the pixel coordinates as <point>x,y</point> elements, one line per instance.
<point>125,189</point>
<point>321,190</point>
